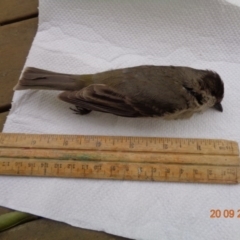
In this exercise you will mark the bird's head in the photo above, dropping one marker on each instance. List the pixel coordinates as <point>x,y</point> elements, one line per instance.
<point>215,86</point>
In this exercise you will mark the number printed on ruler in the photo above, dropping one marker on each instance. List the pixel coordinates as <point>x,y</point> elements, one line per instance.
<point>224,213</point>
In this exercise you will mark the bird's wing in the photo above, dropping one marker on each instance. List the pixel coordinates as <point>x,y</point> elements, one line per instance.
<point>102,98</point>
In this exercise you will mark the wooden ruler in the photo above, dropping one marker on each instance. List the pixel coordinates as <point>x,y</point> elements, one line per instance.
<point>123,158</point>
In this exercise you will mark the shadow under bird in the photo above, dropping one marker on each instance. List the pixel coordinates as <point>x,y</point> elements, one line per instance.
<point>143,91</point>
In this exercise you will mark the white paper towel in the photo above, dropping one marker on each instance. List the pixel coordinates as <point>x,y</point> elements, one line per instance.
<point>91,36</point>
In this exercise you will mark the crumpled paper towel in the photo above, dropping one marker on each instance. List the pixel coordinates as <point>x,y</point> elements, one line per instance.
<point>90,36</point>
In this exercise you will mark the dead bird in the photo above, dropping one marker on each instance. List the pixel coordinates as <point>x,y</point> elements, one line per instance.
<point>170,92</point>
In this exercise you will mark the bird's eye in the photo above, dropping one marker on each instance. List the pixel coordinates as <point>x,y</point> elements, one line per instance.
<point>213,93</point>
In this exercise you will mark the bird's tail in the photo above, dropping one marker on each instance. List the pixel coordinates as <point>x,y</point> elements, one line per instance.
<point>34,78</point>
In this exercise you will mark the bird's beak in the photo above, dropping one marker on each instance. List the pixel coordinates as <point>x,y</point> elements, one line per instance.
<point>218,106</point>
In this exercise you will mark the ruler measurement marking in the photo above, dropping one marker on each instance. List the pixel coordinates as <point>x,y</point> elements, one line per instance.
<point>142,165</point>
<point>155,139</point>
<point>143,172</point>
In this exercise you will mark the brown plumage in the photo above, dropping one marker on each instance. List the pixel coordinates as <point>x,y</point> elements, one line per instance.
<point>143,91</point>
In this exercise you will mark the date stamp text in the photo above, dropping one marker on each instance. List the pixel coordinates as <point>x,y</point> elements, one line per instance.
<point>224,213</point>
